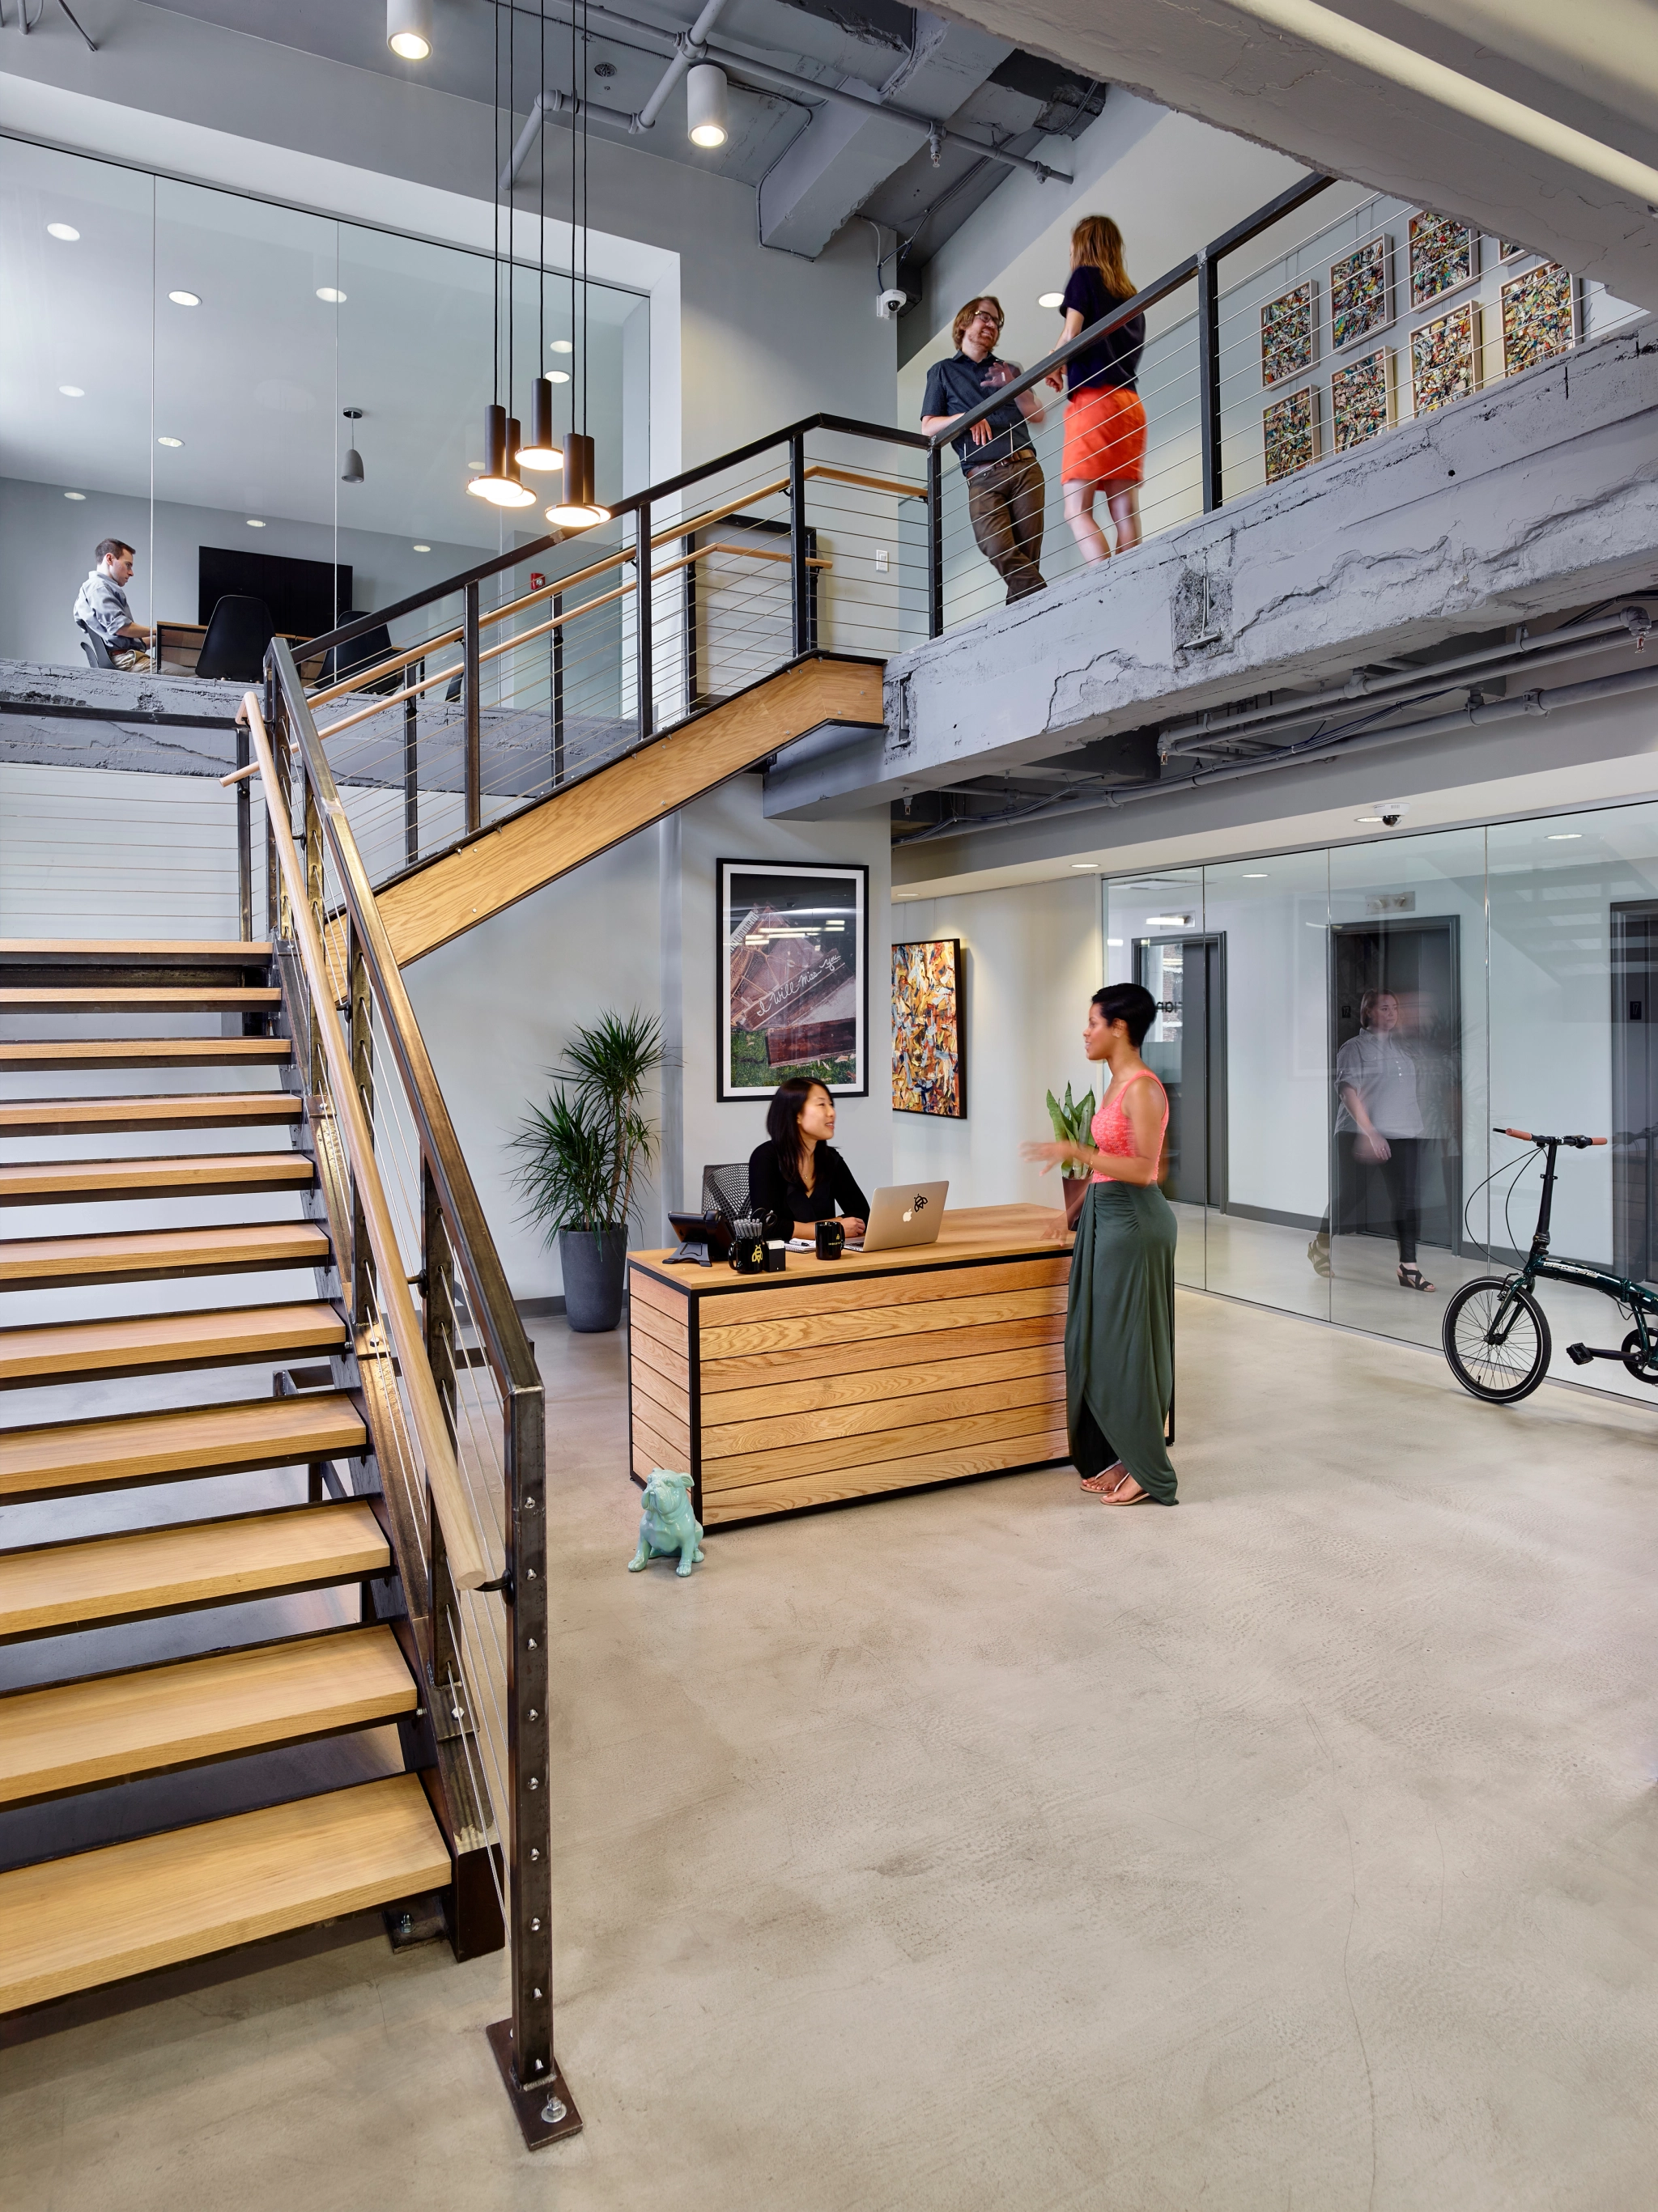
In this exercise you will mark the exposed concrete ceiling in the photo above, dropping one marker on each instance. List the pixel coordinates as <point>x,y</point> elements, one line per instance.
<point>1592,68</point>
<point>813,163</point>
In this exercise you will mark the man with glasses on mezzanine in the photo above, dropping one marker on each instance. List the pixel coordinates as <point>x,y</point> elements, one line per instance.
<point>1005,487</point>
<point>100,606</point>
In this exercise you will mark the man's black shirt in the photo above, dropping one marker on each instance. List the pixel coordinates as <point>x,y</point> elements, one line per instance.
<point>958,383</point>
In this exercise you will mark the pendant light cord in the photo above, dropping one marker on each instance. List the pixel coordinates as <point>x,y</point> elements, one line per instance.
<point>495,222</point>
<point>541,201</point>
<point>587,372</point>
<point>512,236</point>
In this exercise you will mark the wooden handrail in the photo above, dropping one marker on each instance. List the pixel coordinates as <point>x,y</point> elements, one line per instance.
<point>462,1545</point>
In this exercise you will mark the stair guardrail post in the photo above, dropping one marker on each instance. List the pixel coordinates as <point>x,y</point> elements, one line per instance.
<point>643,677</point>
<point>936,542</point>
<point>474,731</point>
<point>556,646</point>
<point>800,576</point>
<point>1209,375</point>
<point>411,769</point>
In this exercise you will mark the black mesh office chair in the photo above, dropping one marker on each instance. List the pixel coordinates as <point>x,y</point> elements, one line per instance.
<point>725,1190</point>
<point>238,631</point>
<point>365,651</point>
<point>97,652</point>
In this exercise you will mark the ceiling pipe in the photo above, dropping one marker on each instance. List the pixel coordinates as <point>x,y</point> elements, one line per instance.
<point>690,47</point>
<point>1493,710</point>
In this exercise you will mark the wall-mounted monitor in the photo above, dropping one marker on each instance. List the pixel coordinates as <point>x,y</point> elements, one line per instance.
<point>306,598</point>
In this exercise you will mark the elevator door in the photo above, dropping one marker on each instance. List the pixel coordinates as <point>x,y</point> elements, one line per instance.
<point>1635,1090</point>
<point>1185,1049</point>
<point>1419,962</point>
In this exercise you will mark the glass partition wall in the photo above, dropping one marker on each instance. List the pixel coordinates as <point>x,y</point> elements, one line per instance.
<point>176,366</point>
<point>1339,1030</point>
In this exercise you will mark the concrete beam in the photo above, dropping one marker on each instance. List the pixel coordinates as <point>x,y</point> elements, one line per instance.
<point>1539,494</point>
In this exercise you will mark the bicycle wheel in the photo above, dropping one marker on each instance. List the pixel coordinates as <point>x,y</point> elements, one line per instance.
<point>1505,1371</point>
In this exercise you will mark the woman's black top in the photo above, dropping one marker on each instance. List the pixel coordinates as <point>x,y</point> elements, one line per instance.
<point>1113,361</point>
<point>781,1199</point>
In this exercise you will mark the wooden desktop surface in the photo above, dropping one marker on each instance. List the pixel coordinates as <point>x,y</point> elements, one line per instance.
<point>853,1378</point>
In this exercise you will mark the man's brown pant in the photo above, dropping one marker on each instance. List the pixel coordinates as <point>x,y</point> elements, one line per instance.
<point>1004,502</point>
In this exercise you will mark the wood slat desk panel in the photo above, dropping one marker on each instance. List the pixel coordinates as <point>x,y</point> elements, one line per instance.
<point>856,1377</point>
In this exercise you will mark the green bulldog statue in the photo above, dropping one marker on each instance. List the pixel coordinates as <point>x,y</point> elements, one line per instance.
<point>667,1524</point>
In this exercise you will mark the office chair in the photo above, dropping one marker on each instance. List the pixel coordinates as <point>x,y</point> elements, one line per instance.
<point>362,652</point>
<point>97,652</point>
<point>238,632</point>
<point>725,1190</point>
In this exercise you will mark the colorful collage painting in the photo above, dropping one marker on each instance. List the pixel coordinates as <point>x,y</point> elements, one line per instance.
<point>1445,359</point>
<point>1537,316</point>
<point>1361,399</point>
<point>1291,428</point>
<point>1444,255</point>
<point>1361,303</point>
<point>930,1062</point>
<point>1290,333</point>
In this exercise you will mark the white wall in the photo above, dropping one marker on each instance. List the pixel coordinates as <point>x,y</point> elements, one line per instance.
<point>1033,960</point>
<point>46,544</point>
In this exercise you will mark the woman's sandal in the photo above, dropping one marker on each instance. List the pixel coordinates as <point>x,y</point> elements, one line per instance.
<point>1411,1277</point>
<point>1102,1484</point>
<point>1116,1496</point>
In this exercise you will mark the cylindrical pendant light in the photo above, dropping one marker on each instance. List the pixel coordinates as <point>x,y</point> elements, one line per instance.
<point>542,451</point>
<point>352,471</point>
<point>706,107</point>
<point>409,28</point>
<point>499,482</point>
<point>578,509</point>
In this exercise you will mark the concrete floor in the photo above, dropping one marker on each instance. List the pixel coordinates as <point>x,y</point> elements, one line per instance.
<point>992,1849</point>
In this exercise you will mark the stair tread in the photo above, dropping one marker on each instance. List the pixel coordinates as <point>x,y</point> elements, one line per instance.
<point>146,1254</point>
<point>73,1923</point>
<point>45,1180</point>
<point>184,1442</point>
<point>53,1117</point>
<point>145,1052</point>
<point>73,1735</point>
<point>69,1351</point>
<point>141,999</point>
<point>120,948</point>
<point>194,1563</point>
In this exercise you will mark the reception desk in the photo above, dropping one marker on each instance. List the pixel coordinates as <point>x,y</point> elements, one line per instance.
<point>852,1377</point>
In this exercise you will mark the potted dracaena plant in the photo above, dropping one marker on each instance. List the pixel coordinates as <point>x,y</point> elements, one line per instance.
<point>1071,1125</point>
<point>585,1153</point>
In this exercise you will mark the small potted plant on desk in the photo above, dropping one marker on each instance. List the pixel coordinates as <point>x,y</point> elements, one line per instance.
<point>584,1153</point>
<point>1072,1123</point>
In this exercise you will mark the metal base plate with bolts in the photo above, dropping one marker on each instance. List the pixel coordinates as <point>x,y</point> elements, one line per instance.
<point>417,1920</point>
<point>546,2111</point>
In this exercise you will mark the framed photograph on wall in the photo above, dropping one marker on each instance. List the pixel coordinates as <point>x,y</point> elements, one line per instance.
<point>1445,359</point>
<point>1361,294</point>
<point>793,972</point>
<point>1290,333</point>
<point>1361,399</point>
<point>1289,434</point>
<point>1540,316</point>
<point>1444,257</point>
<point>929,1055</point>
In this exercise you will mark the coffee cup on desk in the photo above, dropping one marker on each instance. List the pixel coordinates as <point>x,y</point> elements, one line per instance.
<point>831,1240</point>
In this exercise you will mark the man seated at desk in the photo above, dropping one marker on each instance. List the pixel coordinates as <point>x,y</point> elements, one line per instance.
<point>796,1178</point>
<point>100,604</point>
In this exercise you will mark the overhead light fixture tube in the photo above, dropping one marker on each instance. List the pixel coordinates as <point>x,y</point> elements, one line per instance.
<point>706,105</point>
<point>543,451</point>
<point>579,509</point>
<point>409,30</point>
<point>499,481</point>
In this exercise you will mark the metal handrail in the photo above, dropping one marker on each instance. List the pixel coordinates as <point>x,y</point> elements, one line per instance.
<point>463,1539</point>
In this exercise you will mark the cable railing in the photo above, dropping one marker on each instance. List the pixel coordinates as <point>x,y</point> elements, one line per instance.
<point>452,1397</point>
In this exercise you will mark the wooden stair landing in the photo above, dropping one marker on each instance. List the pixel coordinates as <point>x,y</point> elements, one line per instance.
<point>77,1736</point>
<point>51,1587</point>
<point>62,1459</point>
<point>74,1924</point>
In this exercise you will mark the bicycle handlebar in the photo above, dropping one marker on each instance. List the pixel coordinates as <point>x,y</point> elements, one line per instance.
<point>1530,1137</point>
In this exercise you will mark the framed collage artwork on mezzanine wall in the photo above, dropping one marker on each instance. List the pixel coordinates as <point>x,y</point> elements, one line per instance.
<point>793,976</point>
<point>929,1056</point>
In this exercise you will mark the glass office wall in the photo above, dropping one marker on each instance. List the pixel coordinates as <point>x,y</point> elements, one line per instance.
<point>176,366</point>
<point>1339,1029</point>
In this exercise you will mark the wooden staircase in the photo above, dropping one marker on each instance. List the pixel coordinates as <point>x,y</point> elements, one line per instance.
<point>198,1587</point>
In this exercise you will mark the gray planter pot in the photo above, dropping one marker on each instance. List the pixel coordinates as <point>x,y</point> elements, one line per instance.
<point>594,1265</point>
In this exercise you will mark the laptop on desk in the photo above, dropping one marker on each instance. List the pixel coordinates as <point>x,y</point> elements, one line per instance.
<point>903,1213</point>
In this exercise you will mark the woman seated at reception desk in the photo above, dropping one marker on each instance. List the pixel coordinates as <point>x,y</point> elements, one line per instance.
<point>796,1178</point>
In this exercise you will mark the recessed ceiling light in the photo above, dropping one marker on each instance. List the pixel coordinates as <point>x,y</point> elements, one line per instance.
<point>1367,817</point>
<point>252,523</point>
<point>409,30</point>
<point>174,442</point>
<point>1050,299</point>
<point>1113,941</point>
<point>71,392</point>
<point>185,299</point>
<point>66,231</point>
<point>476,467</point>
<point>1564,837</point>
<point>1168,921</point>
<point>74,495</point>
<point>558,376</point>
<point>1254,875</point>
<point>421,549</point>
<point>327,292</point>
<point>1085,863</point>
<point>561,346</point>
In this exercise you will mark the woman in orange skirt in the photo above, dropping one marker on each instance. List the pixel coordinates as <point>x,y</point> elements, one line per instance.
<point>1105,417</point>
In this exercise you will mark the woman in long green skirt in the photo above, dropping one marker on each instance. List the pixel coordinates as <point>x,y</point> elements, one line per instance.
<point>1120,1325</point>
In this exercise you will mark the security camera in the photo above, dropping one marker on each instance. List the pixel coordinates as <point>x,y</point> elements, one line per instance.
<point>1389,812</point>
<point>890,304</point>
<point>1390,821</point>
